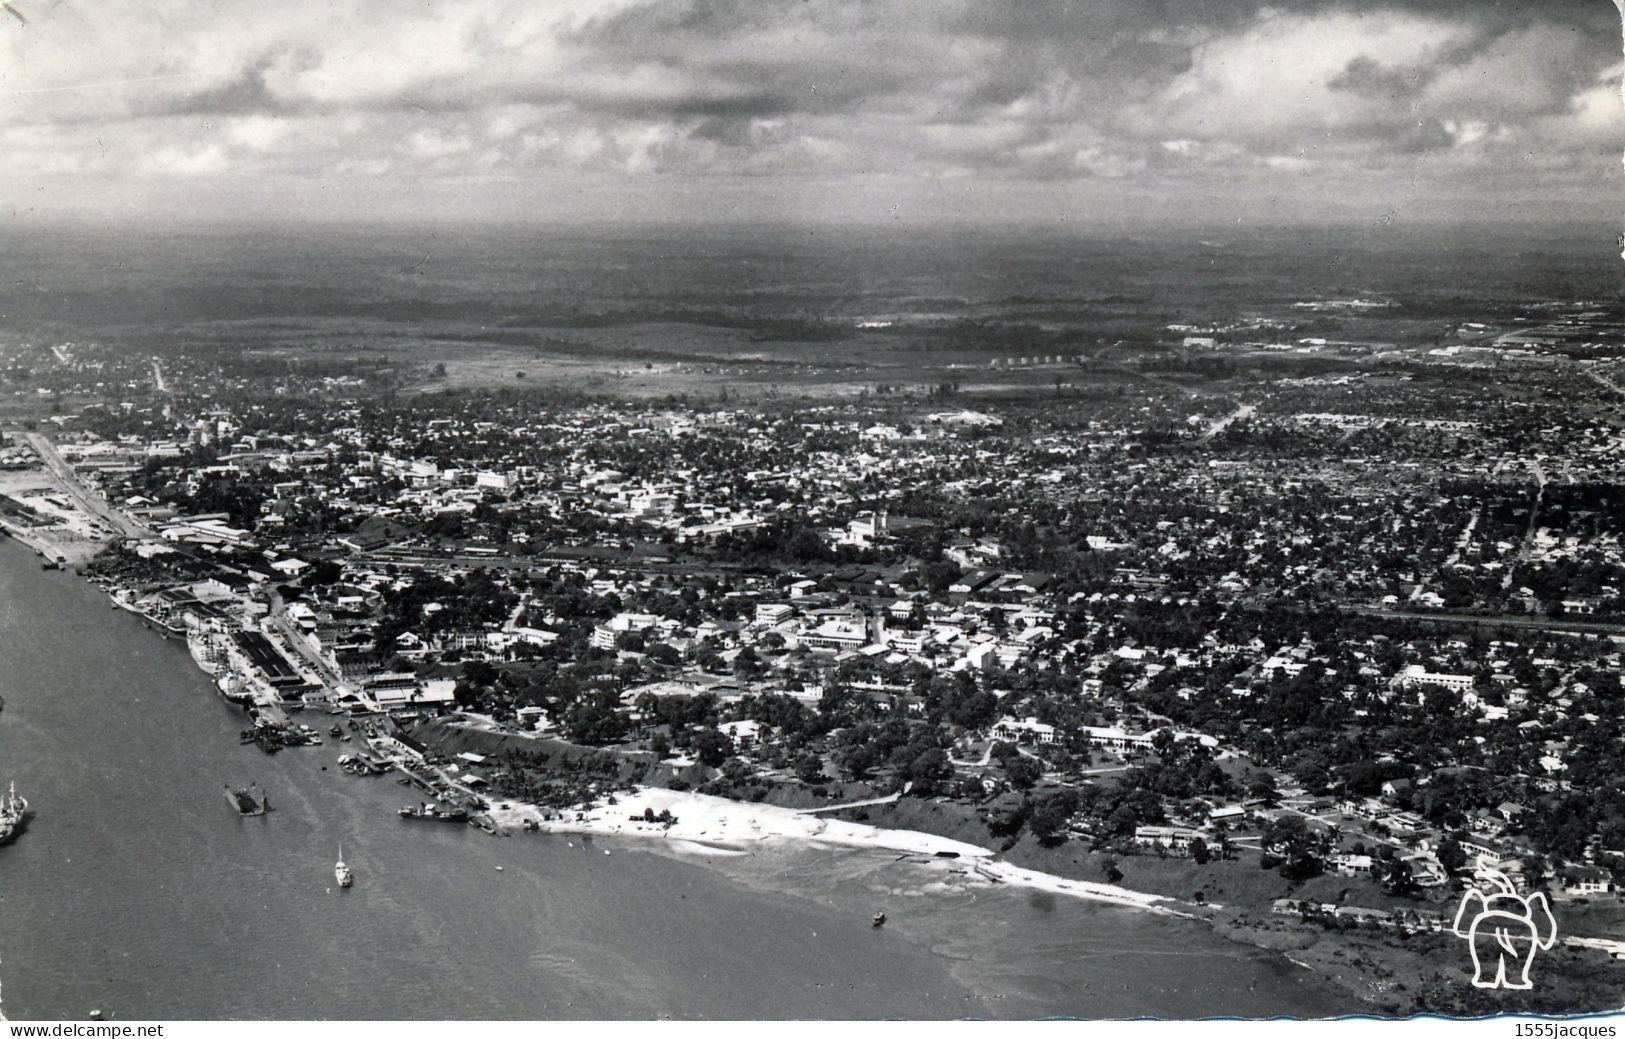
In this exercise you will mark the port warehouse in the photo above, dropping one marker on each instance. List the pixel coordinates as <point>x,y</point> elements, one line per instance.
<point>264,656</point>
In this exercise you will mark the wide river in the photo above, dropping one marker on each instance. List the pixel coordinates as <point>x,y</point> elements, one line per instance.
<point>136,889</point>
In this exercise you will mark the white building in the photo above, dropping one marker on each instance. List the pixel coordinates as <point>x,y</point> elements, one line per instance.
<point>1012,729</point>
<point>1418,677</point>
<point>771,613</point>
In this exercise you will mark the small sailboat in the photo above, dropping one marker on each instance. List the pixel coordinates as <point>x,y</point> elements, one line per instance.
<point>342,873</point>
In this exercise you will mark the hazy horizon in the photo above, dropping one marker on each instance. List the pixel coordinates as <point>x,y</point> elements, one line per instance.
<point>498,224</point>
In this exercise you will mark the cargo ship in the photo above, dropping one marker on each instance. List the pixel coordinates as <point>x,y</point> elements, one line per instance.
<point>13,813</point>
<point>231,687</point>
<point>204,653</point>
<point>435,813</point>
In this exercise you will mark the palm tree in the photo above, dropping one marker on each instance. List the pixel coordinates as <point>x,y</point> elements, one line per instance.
<point>1333,838</point>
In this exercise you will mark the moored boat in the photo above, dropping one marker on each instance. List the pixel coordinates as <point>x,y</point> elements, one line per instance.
<point>361,765</point>
<point>342,873</point>
<point>204,654</point>
<point>231,687</point>
<point>435,813</point>
<point>244,800</point>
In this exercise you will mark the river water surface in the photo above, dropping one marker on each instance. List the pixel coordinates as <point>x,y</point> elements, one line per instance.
<point>137,890</point>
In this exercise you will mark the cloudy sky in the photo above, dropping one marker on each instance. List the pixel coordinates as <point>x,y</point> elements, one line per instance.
<point>1115,111</point>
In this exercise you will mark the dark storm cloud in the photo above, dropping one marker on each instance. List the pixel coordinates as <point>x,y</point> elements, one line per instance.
<point>1422,136</point>
<point>1368,77</point>
<point>245,93</point>
<point>1063,62</point>
<point>810,57</point>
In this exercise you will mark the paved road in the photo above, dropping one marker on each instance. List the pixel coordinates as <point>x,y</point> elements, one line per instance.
<point>1495,621</point>
<point>1350,831</point>
<point>1527,545</point>
<point>1218,426</point>
<point>1461,544</point>
<point>888,799</point>
<point>88,499</point>
<point>987,756</point>
<point>294,640</point>
<point>1605,381</point>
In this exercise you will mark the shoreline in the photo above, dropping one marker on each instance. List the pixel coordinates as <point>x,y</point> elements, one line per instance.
<point>706,826</point>
<point>710,827</point>
<point>839,887</point>
<point>722,826</point>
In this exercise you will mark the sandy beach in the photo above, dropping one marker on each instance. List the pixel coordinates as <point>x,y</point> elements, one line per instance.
<point>719,826</point>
